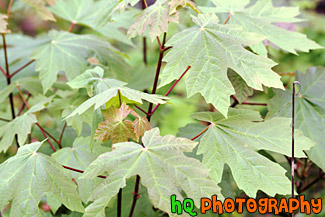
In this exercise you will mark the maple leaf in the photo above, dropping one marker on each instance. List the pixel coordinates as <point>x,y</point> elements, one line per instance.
<point>71,52</point>
<point>30,175</point>
<point>210,49</point>
<point>310,110</point>
<point>79,156</point>
<point>174,4</point>
<point>115,126</point>
<point>241,88</point>
<point>261,17</point>
<point>155,18</point>
<point>109,92</point>
<point>236,140</point>
<point>162,166</point>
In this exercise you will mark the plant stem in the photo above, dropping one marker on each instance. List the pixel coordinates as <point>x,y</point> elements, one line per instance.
<point>80,171</point>
<point>37,124</point>
<point>3,119</point>
<point>141,109</point>
<point>171,88</point>
<point>21,68</point>
<point>203,131</point>
<point>11,97</point>
<point>23,105</point>
<point>135,195</point>
<point>154,88</point>
<point>248,103</point>
<point>119,203</point>
<point>9,10</point>
<point>3,71</point>
<point>73,24</point>
<point>119,96</point>
<point>61,135</point>
<point>144,43</point>
<point>320,177</point>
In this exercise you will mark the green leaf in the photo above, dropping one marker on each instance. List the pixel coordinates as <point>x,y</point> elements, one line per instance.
<point>42,11</point>
<point>20,126</point>
<point>236,140</point>
<point>28,176</point>
<point>211,48</point>
<point>310,110</point>
<point>68,52</point>
<point>79,156</point>
<point>155,19</point>
<point>261,17</point>
<point>241,88</point>
<point>163,169</point>
<point>108,92</point>
<point>3,23</point>
<point>99,15</point>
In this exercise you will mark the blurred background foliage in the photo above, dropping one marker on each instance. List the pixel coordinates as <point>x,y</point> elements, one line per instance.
<point>29,31</point>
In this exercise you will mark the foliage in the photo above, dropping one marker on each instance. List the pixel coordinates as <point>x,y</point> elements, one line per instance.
<point>88,85</point>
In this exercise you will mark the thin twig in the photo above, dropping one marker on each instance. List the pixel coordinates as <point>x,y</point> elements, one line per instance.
<point>11,97</point>
<point>119,203</point>
<point>73,24</point>
<point>141,109</point>
<point>61,135</point>
<point>119,96</point>
<point>144,42</point>
<point>37,124</point>
<point>80,171</point>
<point>3,71</point>
<point>9,10</point>
<point>3,119</point>
<point>135,195</point>
<point>248,103</point>
<point>23,105</point>
<point>21,68</point>
<point>312,183</point>
<point>171,88</point>
<point>203,131</point>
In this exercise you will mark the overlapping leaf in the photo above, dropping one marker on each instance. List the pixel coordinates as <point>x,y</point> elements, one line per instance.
<point>79,156</point>
<point>310,110</point>
<point>155,19</point>
<point>236,140</point>
<point>28,176</point>
<point>241,88</point>
<point>261,17</point>
<point>162,166</point>
<point>109,92</point>
<point>211,48</point>
<point>41,9</point>
<point>68,52</point>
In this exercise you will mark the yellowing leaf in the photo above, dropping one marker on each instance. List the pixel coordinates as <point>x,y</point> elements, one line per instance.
<point>141,125</point>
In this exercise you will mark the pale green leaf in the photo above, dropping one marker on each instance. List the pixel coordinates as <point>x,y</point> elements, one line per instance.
<point>108,92</point>
<point>310,110</point>
<point>155,19</point>
<point>163,169</point>
<point>241,88</point>
<point>236,140</point>
<point>20,126</point>
<point>260,17</point>
<point>28,176</point>
<point>79,156</point>
<point>211,48</point>
<point>68,52</point>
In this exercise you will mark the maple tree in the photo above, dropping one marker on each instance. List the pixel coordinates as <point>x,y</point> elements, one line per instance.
<point>92,125</point>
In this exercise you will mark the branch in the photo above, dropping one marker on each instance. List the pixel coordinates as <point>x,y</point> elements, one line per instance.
<point>9,10</point>
<point>154,88</point>
<point>141,110</point>
<point>4,72</point>
<point>171,88</point>
<point>136,195</point>
<point>80,171</point>
<point>21,68</point>
<point>11,98</point>
<point>320,177</point>
<point>61,136</point>
<point>248,103</point>
<point>37,124</point>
